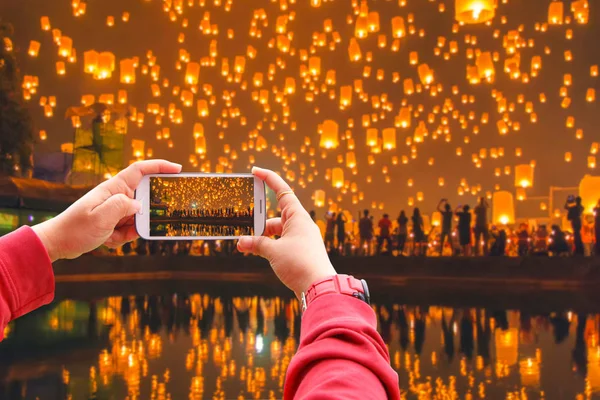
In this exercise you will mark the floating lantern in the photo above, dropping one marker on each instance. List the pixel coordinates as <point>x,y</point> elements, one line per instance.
<point>127,67</point>
<point>60,68</point>
<point>337,177</point>
<point>503,208</point>
<point>474,11</point>
<point>589,191</point>
<point>192,72</point>
<point>319,198</point>
<point>524,175</point>
<point>329,137</point>
<point>556,13</point>
<point>389,138</point>
<point>34,48</point>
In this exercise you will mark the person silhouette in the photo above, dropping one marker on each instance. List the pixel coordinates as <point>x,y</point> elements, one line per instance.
<point>365,230</point>
<point>384,234</point>
<point>447,215</point>
<point>464,228</point>
<point>574,212</point>
<point>481,227</point>
<point>329,231</point>
<point>418,233</point>
<point>341,231</point>
<point>402,232</point>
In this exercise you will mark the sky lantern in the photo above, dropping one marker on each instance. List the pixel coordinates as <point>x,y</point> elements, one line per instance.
<point>65,47</point>
<point>425,74</point>
<point>591,95</point>
<point>319,197</point>
<point>127,67</point>
<point>556,13</point>
<point>34,48</point>
<point>589,190</point>
<point>372,137</point>
<point>524,175</point>
<point>354,50</point>
<point>350,159</point>
<point>60,67</point>
<point>568,156</point>
<point>389,138</point>
<point>485,65</point>
<point>192,72</point>
<point>503,208</point>
<point>45,23</point>
<point>330,135</point>
<point>105,65</point>
<point>591,163</point>
<point>200,145</point>
<point>337,177</point>
<point>398,27</point>
<point>474,11</point>
<point>122,96</point>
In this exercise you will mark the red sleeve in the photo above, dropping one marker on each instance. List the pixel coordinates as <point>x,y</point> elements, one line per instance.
<point>341,354</point>
<point>26,276</point>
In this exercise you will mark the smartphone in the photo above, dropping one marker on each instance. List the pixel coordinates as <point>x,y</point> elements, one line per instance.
<point>191,206</point>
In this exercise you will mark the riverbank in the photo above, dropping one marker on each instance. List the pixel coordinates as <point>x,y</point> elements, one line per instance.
<point>423,280</point>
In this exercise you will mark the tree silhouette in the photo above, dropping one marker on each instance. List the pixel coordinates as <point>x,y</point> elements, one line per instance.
<point>16,127</point>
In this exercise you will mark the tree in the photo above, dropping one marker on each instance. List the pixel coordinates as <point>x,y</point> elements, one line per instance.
<point>16,126</point>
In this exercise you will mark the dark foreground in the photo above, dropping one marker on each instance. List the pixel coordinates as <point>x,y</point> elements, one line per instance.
<point>195,339</point>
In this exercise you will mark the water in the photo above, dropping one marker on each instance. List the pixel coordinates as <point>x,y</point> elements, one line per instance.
<point>179,346</point>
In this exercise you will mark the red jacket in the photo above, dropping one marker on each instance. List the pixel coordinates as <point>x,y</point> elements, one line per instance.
<point>341,355</point>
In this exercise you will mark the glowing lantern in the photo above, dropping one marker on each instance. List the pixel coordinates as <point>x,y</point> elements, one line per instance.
<point>314,66</point>
<point>354,50</point>
<point>474,11</point>
<point>110,21</point>
<point>319,198</point>
<point>389,138</point>
<point>398,28</point>
<point>66,45</point>
<point>329,137</point>
<point>589,191</point>
<point>200,145</point>
<point>436,219</point>
<point>521,194</point>
<point>34,48</point>
<point>556,13</point>
<point>90,59</point>
<point>45,23</point>
<point>350,159</point>
<point>425,74</point>
<point>60,67</point>
<point>568,156</point>
<point>591,95</point>
<point>594,71</point>
<point>485,65</point>
<point>122,96</point>
<point>372,137</point>
<point>337,177</point>
<point>127,66</point>
<point>503,208</point>
<point>106,65</point>
<point>192,72</point>
<point>524,175</point>
<point>530,372</point>
<point>591,162</point>
<point>43,135</point>
<point>88,99</point>
<point>345,96</point>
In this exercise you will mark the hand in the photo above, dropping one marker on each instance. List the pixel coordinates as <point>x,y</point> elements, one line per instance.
<point>298,257</point>
<point>103,216</point>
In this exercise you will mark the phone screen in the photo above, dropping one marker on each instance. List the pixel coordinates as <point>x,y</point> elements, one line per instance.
<point>201,206</point>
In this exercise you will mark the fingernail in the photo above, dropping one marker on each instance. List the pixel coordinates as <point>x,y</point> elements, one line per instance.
<point>137,205</point>
<point>179,165</point>
<point>244,243</point>
<point>255,169</point>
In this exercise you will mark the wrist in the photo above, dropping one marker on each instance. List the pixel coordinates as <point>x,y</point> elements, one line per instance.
<point>43,232</point>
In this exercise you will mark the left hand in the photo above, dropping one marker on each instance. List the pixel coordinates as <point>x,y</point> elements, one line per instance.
<point>104,216</point>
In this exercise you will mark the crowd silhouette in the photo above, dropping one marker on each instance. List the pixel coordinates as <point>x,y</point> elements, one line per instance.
<point>462,232</point>
<point>229,212</point>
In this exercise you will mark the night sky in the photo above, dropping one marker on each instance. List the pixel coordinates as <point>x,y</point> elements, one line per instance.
<point>149,28</point>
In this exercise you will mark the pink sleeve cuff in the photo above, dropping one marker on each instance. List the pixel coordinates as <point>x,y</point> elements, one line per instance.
<point>26,273</point>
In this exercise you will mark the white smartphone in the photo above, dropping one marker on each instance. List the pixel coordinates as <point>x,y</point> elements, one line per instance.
<point>191,206</point>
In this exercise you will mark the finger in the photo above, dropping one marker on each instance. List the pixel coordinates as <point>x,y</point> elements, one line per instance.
<point>115,208</point>
<point>133,174</point>
<point>278,185</point>
<point>121,236</point>
<point>274,227</point>
<point>259,245</point>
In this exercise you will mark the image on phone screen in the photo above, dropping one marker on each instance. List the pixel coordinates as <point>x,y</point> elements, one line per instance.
<point>201,206</point>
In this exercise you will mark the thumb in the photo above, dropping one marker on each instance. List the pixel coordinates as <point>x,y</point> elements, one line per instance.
<point>117,207</point>
<point>259,245</point>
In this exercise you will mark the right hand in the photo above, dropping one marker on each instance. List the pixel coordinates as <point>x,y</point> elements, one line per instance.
<point>298,257</point>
